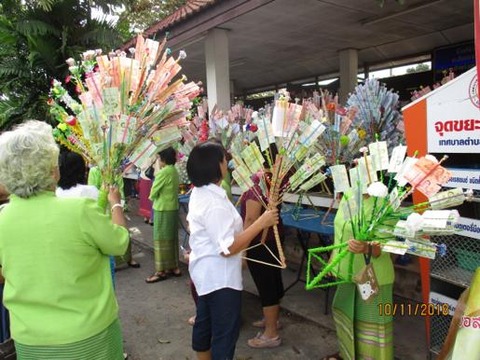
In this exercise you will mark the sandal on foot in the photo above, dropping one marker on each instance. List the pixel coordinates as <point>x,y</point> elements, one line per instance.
<point>158,276</point>
<point>133,264</point>
<point>335,356</point>
<point>176,273</point>
<point>262,342</point>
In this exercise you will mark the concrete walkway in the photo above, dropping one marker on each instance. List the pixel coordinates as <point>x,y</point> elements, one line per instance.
<point>154,316</point>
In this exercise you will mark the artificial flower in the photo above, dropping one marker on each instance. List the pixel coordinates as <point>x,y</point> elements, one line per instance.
<point>377,189</point>
<point>414,222</point>
<point>70,62</point>
<point>88,55</point>
<point>344,140</point>
<point>72,121</point>
<point>361,134</point>
<point>331,106</point>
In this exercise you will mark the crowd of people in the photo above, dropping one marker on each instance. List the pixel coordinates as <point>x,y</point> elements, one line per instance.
<point>70,311</point>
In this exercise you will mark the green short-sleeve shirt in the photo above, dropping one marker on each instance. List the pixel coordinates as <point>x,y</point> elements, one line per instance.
<point>54,254</point>
<point>164,192</point>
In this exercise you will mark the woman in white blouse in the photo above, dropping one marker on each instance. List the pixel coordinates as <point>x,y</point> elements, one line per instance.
<point>216,239</point>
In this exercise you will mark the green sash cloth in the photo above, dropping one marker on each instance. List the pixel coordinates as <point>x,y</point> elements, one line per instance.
<point>362,333</point>
<point>165,240</point>
<point>107,345</point>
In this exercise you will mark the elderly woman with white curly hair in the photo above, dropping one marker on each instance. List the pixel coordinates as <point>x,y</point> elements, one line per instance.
<point>54,254</point>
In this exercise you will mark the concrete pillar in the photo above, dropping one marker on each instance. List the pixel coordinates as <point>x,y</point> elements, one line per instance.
<point>366,70</point>
<point>232,92</point>
<point>348,73</point>
<point>218,71</point>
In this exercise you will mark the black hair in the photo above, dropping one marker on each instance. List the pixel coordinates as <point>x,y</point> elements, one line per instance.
<point>228,156</point>
<point>272,151</point>
<point>203,164</point>
<point>72,169</point>
<point>168,156</point>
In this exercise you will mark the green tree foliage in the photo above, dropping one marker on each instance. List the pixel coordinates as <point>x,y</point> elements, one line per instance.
<point>106,6</point>
<point>36,37</point>
<point>418,68</point>
<point>140,14</point>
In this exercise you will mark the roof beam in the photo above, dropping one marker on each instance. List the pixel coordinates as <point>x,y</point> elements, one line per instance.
<point>210,18</point>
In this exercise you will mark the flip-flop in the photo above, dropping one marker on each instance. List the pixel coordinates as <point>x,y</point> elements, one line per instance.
<point>158,276</point>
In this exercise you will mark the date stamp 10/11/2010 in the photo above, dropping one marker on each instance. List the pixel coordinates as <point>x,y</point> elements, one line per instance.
<point>415,309</point>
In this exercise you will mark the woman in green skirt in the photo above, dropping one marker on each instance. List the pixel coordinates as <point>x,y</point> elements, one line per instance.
<point>363,331</point>
<point>164,196</point>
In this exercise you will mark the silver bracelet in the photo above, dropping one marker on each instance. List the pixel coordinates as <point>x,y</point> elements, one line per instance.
<point>115,206</point>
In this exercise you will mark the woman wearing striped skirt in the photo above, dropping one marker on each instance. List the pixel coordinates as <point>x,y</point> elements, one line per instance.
<point>363,332</point>
<point>54,254</point>
<point>164,195</point>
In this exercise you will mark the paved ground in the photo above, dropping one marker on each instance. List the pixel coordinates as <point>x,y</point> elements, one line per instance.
<point>154,319</point>
<point>154,316</point>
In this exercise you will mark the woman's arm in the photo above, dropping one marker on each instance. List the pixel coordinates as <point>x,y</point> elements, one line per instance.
<point>252,213</point>
<point>97,228</point>
<point>114,198</point>
<point>363,247</point>
<point>243,239</point>
<point>157,185</point>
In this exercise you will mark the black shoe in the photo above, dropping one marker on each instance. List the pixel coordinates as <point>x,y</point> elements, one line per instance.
<point>133,264</point>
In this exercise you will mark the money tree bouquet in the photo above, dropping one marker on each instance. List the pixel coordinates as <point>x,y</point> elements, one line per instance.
<point>227,125</point>
<point>371,111</point>
<point>288,166</point>
<point>223,126</point>
<point>387,221</point>
<point>126,107</point>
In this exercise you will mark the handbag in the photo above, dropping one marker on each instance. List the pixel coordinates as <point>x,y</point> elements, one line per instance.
<point>366,280</point>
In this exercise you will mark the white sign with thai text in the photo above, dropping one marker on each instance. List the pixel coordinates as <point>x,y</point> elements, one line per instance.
<point>464,178</point>
<point>439,299</point>
<point>453,116</point>
<point>468,227</point>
